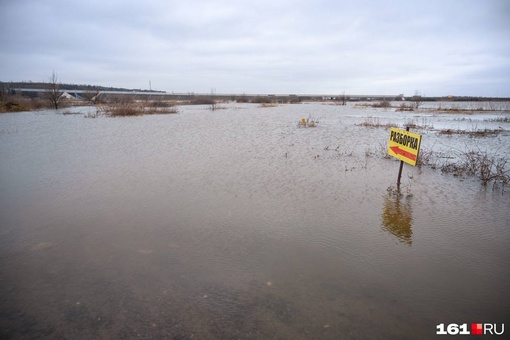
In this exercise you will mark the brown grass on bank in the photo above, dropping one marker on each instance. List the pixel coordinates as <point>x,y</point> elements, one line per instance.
<point>19,103</point>
<point>262,100</point>
<point>291,99</point>
<point>202,101</point>
<point>12,107</point>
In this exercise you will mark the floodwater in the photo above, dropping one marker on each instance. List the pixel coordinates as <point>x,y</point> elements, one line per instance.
<point>236,223</point>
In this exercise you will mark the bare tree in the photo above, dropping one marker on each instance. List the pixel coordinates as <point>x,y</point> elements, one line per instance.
<point>213,103</point>
<point>343,98</point>
<point>417,99</point>
<point>53,94</point>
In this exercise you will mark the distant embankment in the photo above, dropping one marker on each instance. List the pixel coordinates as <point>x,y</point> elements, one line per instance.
<point>31,89</point>
<point>137,94</point>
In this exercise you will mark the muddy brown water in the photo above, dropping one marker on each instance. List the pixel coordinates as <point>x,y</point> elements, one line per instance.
<point>238,224</point>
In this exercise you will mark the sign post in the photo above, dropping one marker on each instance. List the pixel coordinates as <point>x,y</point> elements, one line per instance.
<point>405,146</point>
<point>400,173</point>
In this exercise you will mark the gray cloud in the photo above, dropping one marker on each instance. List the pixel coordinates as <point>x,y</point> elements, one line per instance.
<point>326,46</point>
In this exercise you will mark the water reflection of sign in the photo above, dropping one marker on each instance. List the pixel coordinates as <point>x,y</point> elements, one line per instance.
<point>404,145</point>
<point>397,218</point>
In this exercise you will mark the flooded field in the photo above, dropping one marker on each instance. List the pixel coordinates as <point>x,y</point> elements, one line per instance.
<point>236,223</point>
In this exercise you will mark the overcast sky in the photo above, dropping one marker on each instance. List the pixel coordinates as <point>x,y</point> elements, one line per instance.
<point>458,47</point>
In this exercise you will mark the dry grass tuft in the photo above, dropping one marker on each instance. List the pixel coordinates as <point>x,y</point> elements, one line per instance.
<point>265,105</point>
<point>405,107</point>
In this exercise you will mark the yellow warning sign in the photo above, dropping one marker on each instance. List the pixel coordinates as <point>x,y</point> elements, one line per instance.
<point>404,145</point>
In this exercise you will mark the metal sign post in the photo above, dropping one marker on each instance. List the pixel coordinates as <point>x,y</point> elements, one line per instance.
<point>405,146</point>
<point>400,174</point>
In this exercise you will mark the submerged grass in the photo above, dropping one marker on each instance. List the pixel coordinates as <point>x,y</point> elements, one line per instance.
<point>474,107</point>
<point>376,123</point>
<point>130,109</point>
<point>488,167</point>
<point>473,133</point>
<point>499,120</point>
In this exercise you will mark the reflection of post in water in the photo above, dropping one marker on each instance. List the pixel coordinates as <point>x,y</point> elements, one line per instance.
<point>397,217</point>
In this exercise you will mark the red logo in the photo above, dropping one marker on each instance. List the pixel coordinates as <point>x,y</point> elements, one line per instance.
<point>477,328</point>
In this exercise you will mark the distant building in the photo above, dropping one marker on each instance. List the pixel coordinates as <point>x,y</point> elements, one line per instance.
<point>66,95</point>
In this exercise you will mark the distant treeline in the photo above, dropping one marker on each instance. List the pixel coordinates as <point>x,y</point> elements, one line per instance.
<point>92,88</point>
